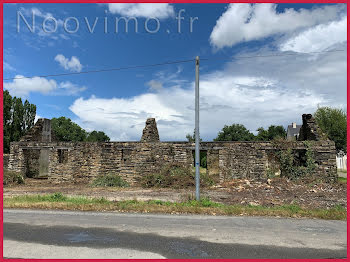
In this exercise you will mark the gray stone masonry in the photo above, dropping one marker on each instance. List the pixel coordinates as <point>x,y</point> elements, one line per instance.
<point>35,156</point>
<point>150,132</point>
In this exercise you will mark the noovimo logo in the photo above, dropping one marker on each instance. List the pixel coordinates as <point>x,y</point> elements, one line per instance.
<point>72,25</point>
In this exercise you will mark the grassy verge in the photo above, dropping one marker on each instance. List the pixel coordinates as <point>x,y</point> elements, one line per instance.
<point>205,206</point>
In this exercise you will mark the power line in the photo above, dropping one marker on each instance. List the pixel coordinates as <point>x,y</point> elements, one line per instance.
<point>272,55</point>
<point>106,70</point>
<point>170,63</point>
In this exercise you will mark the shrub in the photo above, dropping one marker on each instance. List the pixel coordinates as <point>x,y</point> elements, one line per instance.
<point>12,177</point>
<point>204,162</point>
<point>292,170</point>
<point>110,180</point>
<point>175,176</point>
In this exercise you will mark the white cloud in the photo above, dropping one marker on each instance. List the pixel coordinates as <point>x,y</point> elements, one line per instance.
<point>23,86</point>
<point>73,64</point>
<point>68,88</point>
<point>246,22</point>
<point>158,10</point>
<point>254,92</point>
<point>123,118</point>
<point>154,85</point>
<point>224,100</point>
<point>317,38</point>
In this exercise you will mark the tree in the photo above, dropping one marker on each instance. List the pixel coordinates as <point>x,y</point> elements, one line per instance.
<point>332,122</point>
<point>192,138</point>
<point>66,130</point>
<point>7,119</point>
<point>97,136</point>
<point>18,126</point>
<point>271,133</point>
<point>29,115</point>
<point>235,132</point>
<point>18,118</point>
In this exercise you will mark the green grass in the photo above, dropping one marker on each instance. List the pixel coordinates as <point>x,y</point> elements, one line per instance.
<point>205,206</point>
<point>342,180</point>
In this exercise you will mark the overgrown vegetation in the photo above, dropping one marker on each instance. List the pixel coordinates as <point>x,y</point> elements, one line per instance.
<point>11,177</point>
<point>205,206</point>
<point>290,167</point>
<point>332,122</point>
<point>175,176</point>
<point>109,180</point>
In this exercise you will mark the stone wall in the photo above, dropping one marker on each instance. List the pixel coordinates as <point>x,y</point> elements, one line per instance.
<point>5,158</point>
<point>86,160</point>
<point>83,161</point>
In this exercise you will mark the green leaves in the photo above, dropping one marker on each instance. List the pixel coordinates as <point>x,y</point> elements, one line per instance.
<point>332,122</point>
<point>271,133</point>
<point>235,132</point>
<point>66,130</point>
<point>18,118</point>
<point>238,132</point>
<point>97,136</point>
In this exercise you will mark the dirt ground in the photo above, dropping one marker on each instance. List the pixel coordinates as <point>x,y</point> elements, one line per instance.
<point>274,192</point>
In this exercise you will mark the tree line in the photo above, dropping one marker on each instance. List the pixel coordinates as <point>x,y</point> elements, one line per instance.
<point>332,122</point>
<point>19,117</point>
<point>238,132</point>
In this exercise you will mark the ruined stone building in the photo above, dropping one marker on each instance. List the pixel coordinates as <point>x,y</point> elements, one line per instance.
<point>38,154</point>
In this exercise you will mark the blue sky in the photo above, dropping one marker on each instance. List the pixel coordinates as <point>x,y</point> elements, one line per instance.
<point>256,91</point>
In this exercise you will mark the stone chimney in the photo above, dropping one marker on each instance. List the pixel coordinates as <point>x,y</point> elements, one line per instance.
<point>150,132</point>
<point>40,132</point>
<point>310,130</point>
<point>294,125</point>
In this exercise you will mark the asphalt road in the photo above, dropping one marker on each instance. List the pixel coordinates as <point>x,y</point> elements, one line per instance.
<point>64,234</point>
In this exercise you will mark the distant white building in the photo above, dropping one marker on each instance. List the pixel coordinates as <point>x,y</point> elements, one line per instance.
<point>341,160</point>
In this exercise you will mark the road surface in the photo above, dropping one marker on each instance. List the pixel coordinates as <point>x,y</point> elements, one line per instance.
<point>67,234</point>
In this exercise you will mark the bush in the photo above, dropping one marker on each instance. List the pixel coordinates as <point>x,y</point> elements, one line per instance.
<point>11,177</point>
<point>292,170</point>
<point>204,162</point>
<point>109,180</point>
<point>175,176</point>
